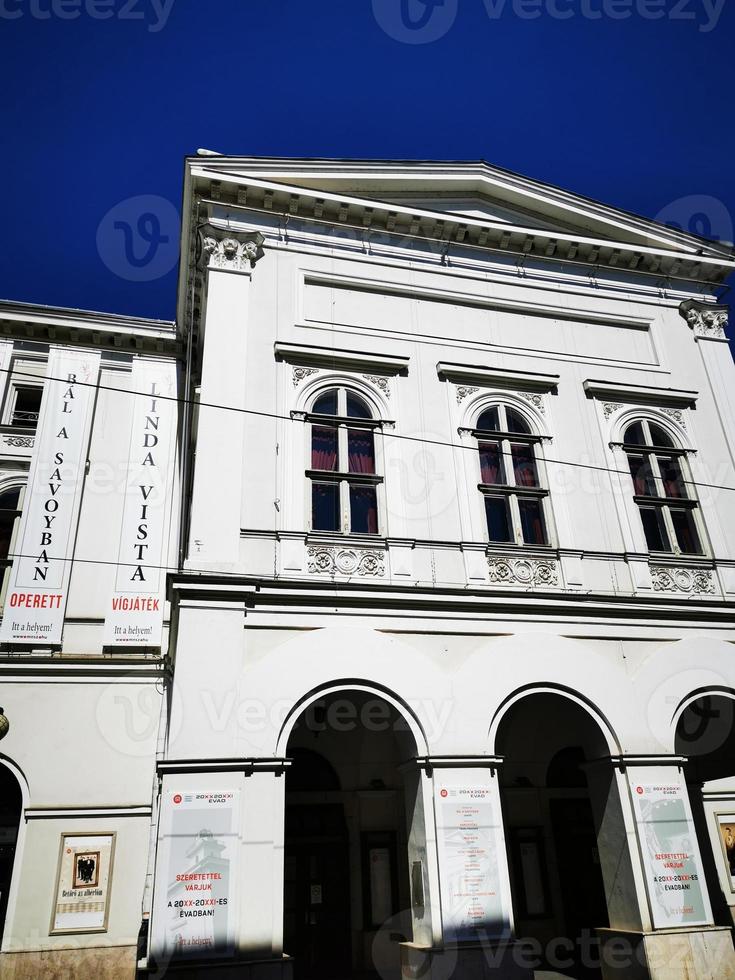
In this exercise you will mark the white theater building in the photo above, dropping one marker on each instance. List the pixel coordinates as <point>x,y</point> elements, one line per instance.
<point>432,671</point>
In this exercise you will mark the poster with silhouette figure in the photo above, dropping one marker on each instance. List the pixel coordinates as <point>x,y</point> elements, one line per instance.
<point>83,883</point>
<point>194,899</point>
<point>726,824</point>
<point>671,858</point>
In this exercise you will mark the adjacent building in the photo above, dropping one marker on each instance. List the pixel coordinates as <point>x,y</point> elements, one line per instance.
<point>428,670</point>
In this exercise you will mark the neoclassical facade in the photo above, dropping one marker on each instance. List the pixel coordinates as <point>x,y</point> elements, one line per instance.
<point>444,680</point>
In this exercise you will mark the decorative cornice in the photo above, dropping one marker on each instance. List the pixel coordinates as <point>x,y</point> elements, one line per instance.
<point>523,571</point>
<point>333,359</point>
<point>346,561</point>
<point>233,254</point>
<point>690,581</point>
<point>705,319</point>
<point>528,381</point>
<point>617,393</point>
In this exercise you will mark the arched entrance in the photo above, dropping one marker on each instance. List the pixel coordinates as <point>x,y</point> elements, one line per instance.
<point>705,736</point>
<point>346,878</point>
<point>551,826</point>
<point>11,808</point>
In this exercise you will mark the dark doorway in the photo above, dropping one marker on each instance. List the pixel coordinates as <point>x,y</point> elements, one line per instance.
<point>316,875</point>
<point>11,805</point>
<point>556,875</point>
<point>580,876</point>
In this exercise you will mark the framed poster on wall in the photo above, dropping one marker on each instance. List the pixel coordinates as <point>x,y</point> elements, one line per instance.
<point>726,832</point>
<point>83,879</point>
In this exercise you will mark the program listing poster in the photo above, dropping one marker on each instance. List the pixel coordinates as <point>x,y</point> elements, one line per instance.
<point>671,857</point>
<point>473,897</point>
<point>196,877</point>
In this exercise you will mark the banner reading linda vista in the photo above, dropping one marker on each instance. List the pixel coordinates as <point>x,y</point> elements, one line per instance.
<point>39,578</point>
<point>135,614</point>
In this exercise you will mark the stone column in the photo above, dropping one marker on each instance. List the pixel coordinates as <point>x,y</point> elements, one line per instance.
<point>470,900</point>
<point>667,930</point>
<point>214,535</point>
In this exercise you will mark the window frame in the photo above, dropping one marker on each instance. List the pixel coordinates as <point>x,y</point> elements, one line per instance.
<point>510,490</point>
<point>659,501</point>
<point>11,400</point>
<point>343,478</point>
<point>7,563</point>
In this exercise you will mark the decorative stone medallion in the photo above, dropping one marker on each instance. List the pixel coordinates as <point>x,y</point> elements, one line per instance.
<point>345,561</point>
<point>523,571</point>
<point>299,373</point>
<point>382,384</point>
<point>463,391</point>
<point>690,581</point>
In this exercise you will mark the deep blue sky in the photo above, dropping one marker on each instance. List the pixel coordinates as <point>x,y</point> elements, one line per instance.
<point>634,112</point>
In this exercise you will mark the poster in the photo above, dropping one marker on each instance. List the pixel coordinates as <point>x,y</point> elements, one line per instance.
<point>470,842</point>
<point>194,910</point>
<point>671,858</point>
<point>37,586</point>
<point>135,613</point>
<point>726,829</point>
<point>83,883</point>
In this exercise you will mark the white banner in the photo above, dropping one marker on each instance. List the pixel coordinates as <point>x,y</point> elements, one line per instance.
<point>475,903</point>
<point>135,614</point>
<point>37,590</point>
<point>196,875</point>
<point>671,858</point>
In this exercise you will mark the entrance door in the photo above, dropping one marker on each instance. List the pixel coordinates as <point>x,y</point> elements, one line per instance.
<point>580,874</point>
<point>317,892</point>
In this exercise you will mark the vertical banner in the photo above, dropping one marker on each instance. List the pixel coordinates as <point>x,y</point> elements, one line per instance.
<point>196,874</point>
<point>470,840</point>
<point>135,614</point>
<point>39,578</point>
<point>671,858</point>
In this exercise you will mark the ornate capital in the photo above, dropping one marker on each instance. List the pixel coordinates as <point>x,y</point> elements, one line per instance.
<point>233,254</point>
<point>705,319</point>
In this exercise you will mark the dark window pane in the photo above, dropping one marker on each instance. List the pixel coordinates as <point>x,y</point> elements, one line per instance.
<point>643,481</point>
<point>498,518</point>
<point>489,420</point>
<point>360,451</point>
<point>323,448</point>
<point>325,506</point>
<point>363,510</point>
<point>634,435</point>
<point>516,422</point>
<point>524,466</point>
<point>686,531</point>
<point>356,407</point>
<point>6,530</point>
<point>9,499</point>
<point>27,405</point>
<point>491,463</point>
<point>659,436</point>
<point>326,404</point>
<point>654,528</point>
<point>672,476</point>
<point>532,520</point>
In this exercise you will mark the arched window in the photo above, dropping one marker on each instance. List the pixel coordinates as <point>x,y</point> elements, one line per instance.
<point>342,470</point>
<point>663,489</point>
<point>511,478</point>
<point>11,501</point>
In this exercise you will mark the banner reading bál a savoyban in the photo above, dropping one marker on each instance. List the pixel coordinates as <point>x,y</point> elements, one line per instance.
<point>135,614</point>
<point>39,577</point>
